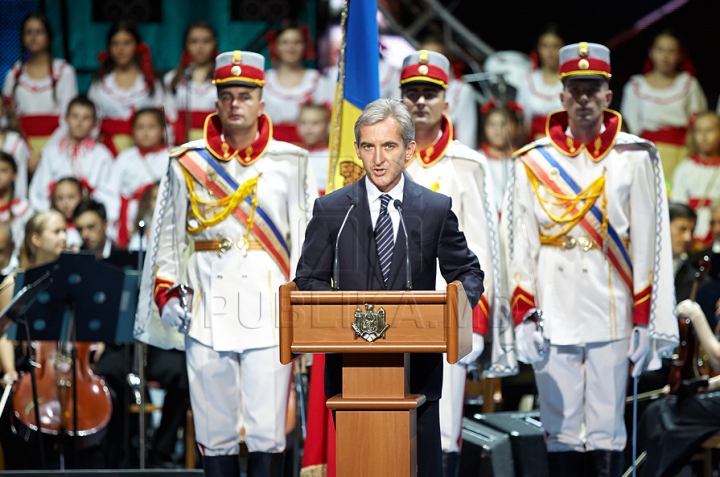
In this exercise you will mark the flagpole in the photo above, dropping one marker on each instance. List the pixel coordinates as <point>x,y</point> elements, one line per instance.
<point>338,102</point>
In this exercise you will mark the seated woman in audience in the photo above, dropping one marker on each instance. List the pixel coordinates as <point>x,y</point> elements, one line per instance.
<point>75,155</point>
<point>39,87</point>
<point>290,84</point>
<point>67,193</point>
<point>696,181</point>
<point>13,143</point>
<point>540,94</point>
<point>502,131</point>
<point>138,168</point>
<point>659,104</point>
<point>196,69</point>
<point>124,83</point>
<point>14,209</point>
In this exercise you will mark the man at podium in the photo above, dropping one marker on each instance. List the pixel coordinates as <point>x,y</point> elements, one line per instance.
<point>372,254</point>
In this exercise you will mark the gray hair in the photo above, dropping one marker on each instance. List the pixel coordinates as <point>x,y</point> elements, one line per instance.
<point>380,110</point>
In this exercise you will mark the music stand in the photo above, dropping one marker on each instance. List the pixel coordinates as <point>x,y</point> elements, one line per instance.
<point>88,300</point>
<point>14,313</point>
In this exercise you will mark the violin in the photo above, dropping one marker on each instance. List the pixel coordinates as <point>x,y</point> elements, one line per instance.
<point>689,362</point>
<point>53,364</point>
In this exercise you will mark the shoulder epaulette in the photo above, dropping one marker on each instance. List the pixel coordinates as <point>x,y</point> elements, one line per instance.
<point>177,151</point>
<point>544,141</point>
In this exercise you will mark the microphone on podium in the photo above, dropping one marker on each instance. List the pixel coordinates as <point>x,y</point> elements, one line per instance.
<point>336,265</point>
<point>408,272</point>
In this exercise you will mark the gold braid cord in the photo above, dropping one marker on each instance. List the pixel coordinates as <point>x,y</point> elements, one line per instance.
<point>583,202</point>
<point>228,204</point>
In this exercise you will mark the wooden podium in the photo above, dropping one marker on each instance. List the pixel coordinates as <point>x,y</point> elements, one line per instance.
<point>375,414</point>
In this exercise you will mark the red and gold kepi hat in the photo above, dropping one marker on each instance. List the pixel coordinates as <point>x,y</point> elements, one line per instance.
<point>585,60</point>
<point>239,68</point>
<point>426,67</point>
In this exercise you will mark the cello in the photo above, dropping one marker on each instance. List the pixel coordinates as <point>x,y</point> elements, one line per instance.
<point>72,400</point>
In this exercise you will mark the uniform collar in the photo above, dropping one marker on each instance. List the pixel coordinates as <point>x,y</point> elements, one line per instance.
<point>433,153</point>
<point>556,129</point>
<point>223,151</point>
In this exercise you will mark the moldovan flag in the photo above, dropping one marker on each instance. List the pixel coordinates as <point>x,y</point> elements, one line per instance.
<point>357,86</point>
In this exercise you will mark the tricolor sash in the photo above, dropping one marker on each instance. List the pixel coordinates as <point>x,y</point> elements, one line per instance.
<point>199,163</point>
<point>539,161</point>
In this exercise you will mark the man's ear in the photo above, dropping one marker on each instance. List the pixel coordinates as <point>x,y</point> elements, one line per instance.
<point>410,150</point>
<point>608,97</point>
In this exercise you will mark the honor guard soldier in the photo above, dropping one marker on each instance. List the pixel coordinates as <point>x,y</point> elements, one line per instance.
<point>226,233</point>
<point>451,168</point>
<point>590,270</point>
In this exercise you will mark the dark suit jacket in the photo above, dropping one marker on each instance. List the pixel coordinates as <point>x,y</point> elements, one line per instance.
<point>433,235</point>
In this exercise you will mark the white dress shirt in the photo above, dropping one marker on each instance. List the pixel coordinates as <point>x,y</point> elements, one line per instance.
<point>374,201</point>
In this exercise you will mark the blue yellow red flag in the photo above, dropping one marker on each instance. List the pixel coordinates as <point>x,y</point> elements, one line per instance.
<point>358,85</point>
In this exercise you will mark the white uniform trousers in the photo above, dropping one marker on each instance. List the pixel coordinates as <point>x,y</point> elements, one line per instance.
<point>229,391</point>
<point>582,396</point>
<point>451,405</point>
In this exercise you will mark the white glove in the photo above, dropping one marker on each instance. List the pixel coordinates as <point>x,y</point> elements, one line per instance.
<point>639,349</point>
<point>173,313</point>
<point>690,309</point>
<point>530,342</point>
<point>478,345</point>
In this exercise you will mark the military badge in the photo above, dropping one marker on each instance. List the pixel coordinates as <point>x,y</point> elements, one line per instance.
<point>369,325</point>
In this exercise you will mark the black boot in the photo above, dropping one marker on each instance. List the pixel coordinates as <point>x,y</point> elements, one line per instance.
<point>566,464</point>
<point>603,463</point>
<point>451,464</point>
<point>221,465</point>
<point>264,464</point>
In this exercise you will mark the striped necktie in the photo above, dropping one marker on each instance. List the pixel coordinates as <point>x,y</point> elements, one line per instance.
<point>384,239</point>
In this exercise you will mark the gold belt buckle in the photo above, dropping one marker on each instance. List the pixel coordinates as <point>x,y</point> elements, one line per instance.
<point>569,243</point>
<point>585,243</point>
<point>225,245</point>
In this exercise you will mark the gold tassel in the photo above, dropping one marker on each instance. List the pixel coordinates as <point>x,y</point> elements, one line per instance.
<point>228,203</point>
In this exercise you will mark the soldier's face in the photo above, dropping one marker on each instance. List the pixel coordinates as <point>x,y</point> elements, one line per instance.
<point>239,107</point>
<point>426,103</point>
<point>584,100</point>
<point>382,153</point>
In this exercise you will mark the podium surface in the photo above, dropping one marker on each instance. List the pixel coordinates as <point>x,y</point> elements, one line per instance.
<point>375,331</point>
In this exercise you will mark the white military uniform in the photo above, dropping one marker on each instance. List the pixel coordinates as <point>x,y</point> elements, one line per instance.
<point>696,182</point>
<point>40,107</point>
<point>89,162</point>
<point>133,171</point>
<point>590,304</point>
<point>15,145</point>
<point>232,343</point>
<point>453,169</point>
<point>538,99</point>
<point>662,115</point>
